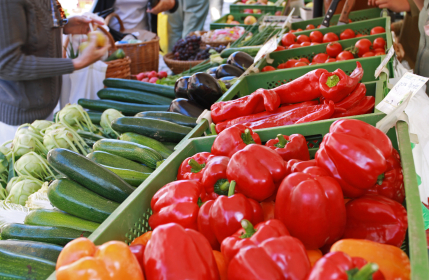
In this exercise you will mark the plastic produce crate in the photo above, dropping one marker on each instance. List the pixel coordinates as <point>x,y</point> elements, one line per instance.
<point>130,219</point>
<point>221,23</point>
<point>239,8</point>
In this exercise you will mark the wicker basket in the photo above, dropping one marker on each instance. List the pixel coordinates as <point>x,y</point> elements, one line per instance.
<point>144,56</point>
<point>178,66</point>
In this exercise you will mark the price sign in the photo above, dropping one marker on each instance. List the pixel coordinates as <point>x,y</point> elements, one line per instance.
<point>267,48</point>
<point>383,64</point>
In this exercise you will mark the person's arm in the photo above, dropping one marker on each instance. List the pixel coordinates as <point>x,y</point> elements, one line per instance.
<point>164,5</point>
<point>419,4</point>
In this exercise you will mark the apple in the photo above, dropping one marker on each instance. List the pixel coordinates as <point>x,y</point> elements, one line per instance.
<point>162,74</point>
<point>83,46</point>
<point>101,39</point>
<point>248,11</point>
<point>250,20</point>
<point>141,76</point>
<point>153,80</point>
<point>234,22</point>
<point>152,74</point>
<point>257,11</point>
<point>278,13</point>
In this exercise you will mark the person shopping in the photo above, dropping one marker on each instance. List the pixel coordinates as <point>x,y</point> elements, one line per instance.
<point>31,63</point>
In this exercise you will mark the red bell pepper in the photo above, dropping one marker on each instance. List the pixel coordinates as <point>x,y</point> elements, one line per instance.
<point>276,258</point>
<point>391,185</point>
<point>214,179</point>
<point>138,252</point>
<point>226,213</point>
<point>259,101</point>
<point>337,85</point>
<point>296,165</point>
<point>257,170</point>
<point>256,117</point>
<point>376,218</point>
<point>290,147</point>
<point>204,226</point>
<point>357,95</point>
<point>177,253</point>
<point>311,205</point>
<point>191,168</point>
<point>177,202</point>
<point>234,139</point>
<point>364,106</point>
<point>339,265</point>
<point>249,235</point>
<point>355,154</point>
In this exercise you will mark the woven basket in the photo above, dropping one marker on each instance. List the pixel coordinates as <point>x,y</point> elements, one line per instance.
<point>144,56</point>
<point>178,66</point>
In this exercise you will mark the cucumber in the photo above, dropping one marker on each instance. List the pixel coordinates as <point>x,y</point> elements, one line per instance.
<point>53,235</point>
<point>146,141</point>
<point>90,174</point>
<point>94,116</point>
<point>170,145</point>
<point>169,116</point>
<point>134,96</point>
<point>118,54</point>
<point>163,90</point>
<point>156,129</point>
<point>129,150</point>
<point>132,177</point>
<point>128,109</point>
<point>112,160</point>
<point>36,249</point>
<point>17,266</point>
<point>53,218</point>
<point>252,51</point>
<point>76,200</point>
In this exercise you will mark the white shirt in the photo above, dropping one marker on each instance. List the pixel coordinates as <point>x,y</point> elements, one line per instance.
<point>133,14</point>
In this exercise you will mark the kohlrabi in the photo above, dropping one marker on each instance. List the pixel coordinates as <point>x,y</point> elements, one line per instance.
<point>33,165</point>
<point>107,117</point>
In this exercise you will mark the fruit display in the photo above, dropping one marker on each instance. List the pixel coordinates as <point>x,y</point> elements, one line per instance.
<point>226,34</point>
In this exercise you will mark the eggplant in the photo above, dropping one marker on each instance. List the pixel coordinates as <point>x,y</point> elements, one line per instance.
<point>228,81</point>
<point>212,70</point>
<point>226,70</point>
<point>240,59</point>
<point>185,107</point>
<point>213,75</point>
<point>181,87</point>
<point>203,90</point>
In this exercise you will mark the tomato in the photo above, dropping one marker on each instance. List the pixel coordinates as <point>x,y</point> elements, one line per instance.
<point>288,39</point>
<point>359,35</point>
<point>347,34</point>
<point>314,63</point>
<point>320,58</point>
<point>368,54</point>
<point>305,44</point>
<point>310,26</point>
<point>377,30</point>
<point>313,44</point>
<point>268,68</point>
<point>380,53</point>
<point>330,37</point>
<point>280,48</point>
<point>333,49</point>
<point>299,29</point>
<point>345,55</point>
<point>294,46</point>
<point>292,31</point>
<point>302,38</point>
<point>300,63</point>
<point>379,43</point>
<point>282,66</point>
<point>330,60</point>
<point>363,46</point>
<point>304,59</point>
<point>316,36</point>
<point>376,50</point>
<point>290,63</point>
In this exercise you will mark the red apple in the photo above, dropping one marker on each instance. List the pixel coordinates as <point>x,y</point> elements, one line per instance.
<point>278,13</point>
<point>153,80</point>
<point>162,74</point>
<point>257,11</point>
<point>248,11</point>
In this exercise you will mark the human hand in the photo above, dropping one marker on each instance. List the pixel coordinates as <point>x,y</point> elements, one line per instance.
<point>163,5</point>
<point>80,24</point>
<point>90,54</point>
<point>393,5</point>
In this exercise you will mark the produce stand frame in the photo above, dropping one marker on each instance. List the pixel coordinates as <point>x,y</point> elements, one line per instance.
<point>237,8</point>
<point>221,23</point>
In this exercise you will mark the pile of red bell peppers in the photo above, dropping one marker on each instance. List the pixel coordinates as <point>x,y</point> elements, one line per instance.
<point>247,210</point>
<point>318,95</point>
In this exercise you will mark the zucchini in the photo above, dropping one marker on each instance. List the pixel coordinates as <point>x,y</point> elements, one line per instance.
<point>17,266</point>
<point>36,249</point>
<point>251,50</point>
<point>94,116</point>
<point>129,150</point>
<point>90,174</point>
<point>169,116</point>
<point>118,54</point>
<point>156,129</point>
<point>163,90</point>
<point>128,109</point>
<point>134,96</point>
<point>132,177</point>
<point>89,135</point>
<point>146,141</point>
<point>76,200</point>
<point>53,218</point>
<point>170,145</point>
<point>112,160</point>
<point>53,235</point>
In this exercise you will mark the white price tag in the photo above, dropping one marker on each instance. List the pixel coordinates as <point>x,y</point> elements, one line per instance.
<point>267,48</point>
<point>288,22</point>
<point>408,84</point>
<point>383,64</point>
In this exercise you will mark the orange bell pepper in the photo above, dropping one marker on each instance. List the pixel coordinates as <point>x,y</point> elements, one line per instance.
<point>314,256</point>
<point>86,268</point>
<point>221,265</point>
<point>392,261</point>
<point>142,239</point>
<point>75,250</point>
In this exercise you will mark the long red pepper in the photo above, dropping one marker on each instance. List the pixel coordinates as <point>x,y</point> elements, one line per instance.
<point>322,114</point>
<point>364,106</point>
<point>357,95</point>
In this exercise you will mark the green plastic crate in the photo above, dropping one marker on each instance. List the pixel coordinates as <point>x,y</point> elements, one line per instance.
<point>239,8</point>
<point>221,23</point>
<point>130,219</point>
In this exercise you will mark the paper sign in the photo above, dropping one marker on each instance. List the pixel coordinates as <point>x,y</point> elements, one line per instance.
<point>409,83</point>
<point>267,48</point>
<point>383,64</point>
<point>288,22</point>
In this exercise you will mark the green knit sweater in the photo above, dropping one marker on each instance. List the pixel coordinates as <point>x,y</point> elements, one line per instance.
<point>30,61</point>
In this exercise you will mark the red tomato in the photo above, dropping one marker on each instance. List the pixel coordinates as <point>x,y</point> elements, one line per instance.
<point>330,37</point>
<point>333,49</point>
<point>305,44</point>
<point>300,63</point>
<point>359,35</point>
<point>376,50</point>
<point>299,29</point>
<point>345,55</point>
<point>380,53</point>
<point>282,66</point>
<point>347,34</point>
<point>368,54</point>
<point>302,38</point>
<point>320,58</point>
<point>363,45</point>
<point>280,48</point>
<point>288,39</point>
<point>316,36</point>
<point>330,60</point>
<point>310,26</point>
<point>313,44</point>
<point>294,46</point>
<point>313,63</point>
<point>290,63</point>
<point>292,31</point>
<point>377,30</point>
<point>268,68</point>
<point>304,59</point>
<point>379,43</point>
